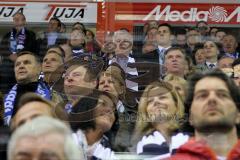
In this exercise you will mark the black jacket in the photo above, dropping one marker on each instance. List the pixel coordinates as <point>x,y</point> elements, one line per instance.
<point>7,77</point>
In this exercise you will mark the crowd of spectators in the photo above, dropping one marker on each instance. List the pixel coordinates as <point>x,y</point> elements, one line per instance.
<point>172,95</point>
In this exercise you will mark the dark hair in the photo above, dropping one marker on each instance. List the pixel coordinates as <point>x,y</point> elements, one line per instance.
<point>217,73</point>
<point>81,24</point>
<point>83,113</point>
<point>166,25</point>
<point>29,53</point>
<point>56,19</point>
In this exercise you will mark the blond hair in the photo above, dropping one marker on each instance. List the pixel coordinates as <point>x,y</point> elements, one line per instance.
<point>145,127</point>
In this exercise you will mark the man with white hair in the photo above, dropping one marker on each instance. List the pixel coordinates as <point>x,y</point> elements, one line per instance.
<point>43,138</point>
<point>124,44</point>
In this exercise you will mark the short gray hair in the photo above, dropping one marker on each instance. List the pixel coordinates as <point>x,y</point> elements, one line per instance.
<point>42,125</point>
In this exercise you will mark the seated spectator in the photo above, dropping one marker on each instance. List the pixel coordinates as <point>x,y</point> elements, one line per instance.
<point>219,36</point>
<point>124,42</point>
<point>113,81</point>
<point>52,60</point>
<point>27,69</point>
<point>212,33</point>
<point>80,79</point>
<point>203,28</point>
<point>31,106</point>
<point>160,110</point>
<point>77,41</point>
<point>18,39</point>
<point>211,54</point>
<point>91,118</point>
<point>213,103</point>
<point>181,38</point>
<point>193,37</point>
<point>175,61</point>
<point>198,54</point>
<point>230,45</point>
<point>44,138</point>
<point>92,46</point>
<point>51,37</point>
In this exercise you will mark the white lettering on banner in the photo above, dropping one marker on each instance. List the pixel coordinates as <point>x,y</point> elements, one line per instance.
<point>215,13</point>
<point>6,12</point>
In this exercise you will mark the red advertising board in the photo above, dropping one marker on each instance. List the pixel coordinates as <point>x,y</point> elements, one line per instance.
<point>180,12</point>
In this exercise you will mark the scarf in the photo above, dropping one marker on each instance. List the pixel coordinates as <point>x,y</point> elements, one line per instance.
<point>17,40</point>
<point>9,100</point>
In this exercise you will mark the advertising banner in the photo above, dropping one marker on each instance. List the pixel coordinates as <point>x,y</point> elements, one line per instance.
<point>41,12</point>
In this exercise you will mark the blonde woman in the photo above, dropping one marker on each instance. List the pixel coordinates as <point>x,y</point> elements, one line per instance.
<point>160,112</point>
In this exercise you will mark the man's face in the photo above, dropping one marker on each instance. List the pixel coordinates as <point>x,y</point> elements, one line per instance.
<point>212,105</point>
<point>174,62</point>
<point>193,37</point>
<point>164,36</point>
<point>77,38</point>
<point>76,80</point>
<point>53,26</point>
<point>229,44</point>
<point>44,147</point>
<point>203,28</point>
<point>210,49</point>
<point>181,39</point>
<point>151,34</point>
<point>29,111</point>
<point>19,20</point>
<point>51,62</point>
<point>26,69</point>
<point>219,36</point>
<point>124,43</point>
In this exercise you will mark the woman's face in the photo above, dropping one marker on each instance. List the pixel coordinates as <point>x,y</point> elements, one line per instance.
<point>104,113</point>
<point>200,56</point>
<point>77,38</point>
<point>210,49</point>
<point>109,84</point>
<point>160,103</point>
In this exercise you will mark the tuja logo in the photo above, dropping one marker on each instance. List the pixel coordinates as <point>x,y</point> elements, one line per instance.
<point>215,13</point>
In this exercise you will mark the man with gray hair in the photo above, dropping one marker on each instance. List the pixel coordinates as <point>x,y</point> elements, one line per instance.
<point>44,138</point>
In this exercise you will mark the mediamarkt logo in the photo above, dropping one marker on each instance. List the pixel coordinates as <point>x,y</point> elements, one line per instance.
<point>215,13</point>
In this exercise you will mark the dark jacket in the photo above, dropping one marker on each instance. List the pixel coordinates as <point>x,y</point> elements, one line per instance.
<point>7,77</point>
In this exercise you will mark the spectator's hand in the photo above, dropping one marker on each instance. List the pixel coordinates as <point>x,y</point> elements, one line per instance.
<point>13,57</point>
